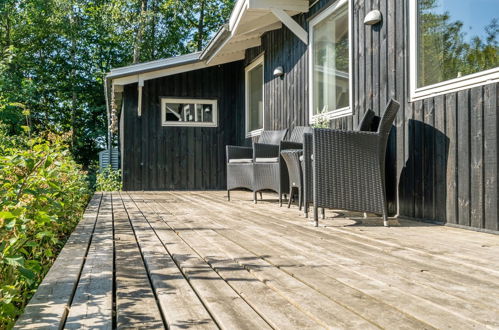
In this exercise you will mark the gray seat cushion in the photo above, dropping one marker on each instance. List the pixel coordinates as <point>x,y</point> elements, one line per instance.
<point>240,161</point>
<point>267,160</point>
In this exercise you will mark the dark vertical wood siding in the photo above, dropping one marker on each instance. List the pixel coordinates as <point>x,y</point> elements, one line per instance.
<point>157,157</point>
<point>442,153</point>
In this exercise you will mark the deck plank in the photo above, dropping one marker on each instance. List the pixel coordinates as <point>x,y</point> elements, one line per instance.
<point>313,303</point>
<point>92,306</point>
<point>48,307</point>
<point>133,290</point>
<point>401,271</point>
<point>180,305</point>
<point>193,260</point>
<point>279,312</point>
<point>227,307</point>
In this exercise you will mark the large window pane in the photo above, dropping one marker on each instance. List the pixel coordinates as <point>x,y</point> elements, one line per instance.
<point>456,38</point>
<point>330,64</point>
<point>255,98</point>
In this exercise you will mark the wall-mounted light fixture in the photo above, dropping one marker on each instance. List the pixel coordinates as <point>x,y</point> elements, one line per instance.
<point>373,17</point>
<point>279,71</point>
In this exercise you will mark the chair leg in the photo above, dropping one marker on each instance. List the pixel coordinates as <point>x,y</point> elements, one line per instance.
<point>261,196</point>
<point>316,216</point>
<point>228,195</point>
<point>385,215</point>
<point>254,197</point>
<point>305,209</point>
<point>290,194</point>
<point>280,197</point>
<point>300,199</point>
<point>323,213</point>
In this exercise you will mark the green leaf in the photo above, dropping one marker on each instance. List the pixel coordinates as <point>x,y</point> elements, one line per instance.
<point>6,215</point>
<point>14,261</point>
<point>27,273</point>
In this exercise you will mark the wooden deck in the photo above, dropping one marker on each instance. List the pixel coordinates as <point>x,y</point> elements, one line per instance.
<point>193,260</point>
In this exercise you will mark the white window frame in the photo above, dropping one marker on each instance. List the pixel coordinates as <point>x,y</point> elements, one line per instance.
<point>444,87</point>
<point>342,112</point>
<point>212,102</point>
<point>258,61</point>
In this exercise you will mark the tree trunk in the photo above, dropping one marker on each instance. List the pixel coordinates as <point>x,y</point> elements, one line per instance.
<point>201,26</point>
<point>154,7</point>
<point>140,31</point>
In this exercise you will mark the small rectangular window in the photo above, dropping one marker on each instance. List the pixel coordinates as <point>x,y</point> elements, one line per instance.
<point>254,97</point>
<point>454,45</point>
<point>189,112</point>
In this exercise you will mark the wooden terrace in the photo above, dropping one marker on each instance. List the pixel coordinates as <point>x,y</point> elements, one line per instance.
<point>193,260</point>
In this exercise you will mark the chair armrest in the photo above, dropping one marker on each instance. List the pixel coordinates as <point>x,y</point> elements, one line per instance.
<point>291,145</point>
<point>261,150</point>
<point>236,152</point>
<point>332,143</point>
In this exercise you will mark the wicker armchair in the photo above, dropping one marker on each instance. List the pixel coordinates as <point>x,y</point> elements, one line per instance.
<point>349,167</point>
<point>270,170</point>
<point>369,123</point>
<point>240,160</point>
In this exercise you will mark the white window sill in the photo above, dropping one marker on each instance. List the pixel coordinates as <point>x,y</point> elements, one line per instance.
<point>343,112</point>
<point>189,124</point>
<point>457,84</point>
<point>254,133</point>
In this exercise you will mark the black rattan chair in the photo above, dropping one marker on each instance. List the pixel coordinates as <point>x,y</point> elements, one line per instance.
<point>349,167</point>
<point>240,160</point>
<point>270,170</point>
<point>369,123</point>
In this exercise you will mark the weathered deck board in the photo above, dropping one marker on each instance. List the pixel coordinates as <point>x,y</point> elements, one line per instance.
<point>92,306</point>
<point>178,301</point>
<point>48,307</point>
<point>136,305</point>
<point>193,260</point>
<point>409,296</point>
<point>227,307</point>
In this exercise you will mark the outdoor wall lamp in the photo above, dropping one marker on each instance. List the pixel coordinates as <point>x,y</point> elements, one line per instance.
<point>373,17</point>
<point>279,71</point>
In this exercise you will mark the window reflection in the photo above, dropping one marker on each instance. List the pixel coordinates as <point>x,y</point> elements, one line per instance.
<point>456,38</point>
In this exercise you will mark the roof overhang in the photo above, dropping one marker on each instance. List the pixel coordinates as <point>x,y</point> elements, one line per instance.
<point>248,21</point>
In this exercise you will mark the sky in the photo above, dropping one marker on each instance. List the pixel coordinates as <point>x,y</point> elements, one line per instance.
<point>475,14</point>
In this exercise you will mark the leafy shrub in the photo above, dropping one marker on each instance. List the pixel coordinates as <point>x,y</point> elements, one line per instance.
<point>43,194</point>
<point>108,179</point>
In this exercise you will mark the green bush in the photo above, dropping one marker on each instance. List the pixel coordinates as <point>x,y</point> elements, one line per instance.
<point>108,179</point>
<point>43,194</point>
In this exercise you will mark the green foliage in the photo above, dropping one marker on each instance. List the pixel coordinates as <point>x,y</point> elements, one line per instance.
<point>54,55</point>
<point>43,193</point>
<point>108,179</point>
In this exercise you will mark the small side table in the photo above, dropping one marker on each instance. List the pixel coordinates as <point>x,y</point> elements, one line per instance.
<point>292,159</point>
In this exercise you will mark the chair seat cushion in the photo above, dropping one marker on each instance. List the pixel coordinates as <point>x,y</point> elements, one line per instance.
<point>267,160</point>
<point>240,160</point>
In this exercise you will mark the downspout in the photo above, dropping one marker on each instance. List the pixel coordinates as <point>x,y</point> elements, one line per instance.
<point>109,130</point>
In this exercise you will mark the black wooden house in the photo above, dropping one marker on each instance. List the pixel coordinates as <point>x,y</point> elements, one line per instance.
<point>281,63</point>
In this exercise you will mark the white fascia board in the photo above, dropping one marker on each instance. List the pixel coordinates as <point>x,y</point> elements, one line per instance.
<point>301,6</point>
<point>237,13</point>
<point>159,73</point>
<point>154,65</point>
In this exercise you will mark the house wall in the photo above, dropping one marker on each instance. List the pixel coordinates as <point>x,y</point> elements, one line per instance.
<point>159,158</point>
<point>442,154</point>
